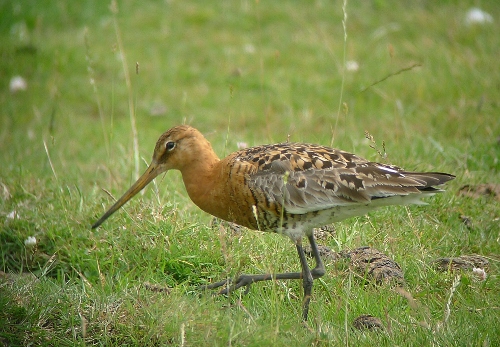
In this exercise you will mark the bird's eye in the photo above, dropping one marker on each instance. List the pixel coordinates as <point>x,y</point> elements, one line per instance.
<point>170,145</point>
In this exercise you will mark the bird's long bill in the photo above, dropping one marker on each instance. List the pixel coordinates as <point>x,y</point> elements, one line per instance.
<point>152,171</point>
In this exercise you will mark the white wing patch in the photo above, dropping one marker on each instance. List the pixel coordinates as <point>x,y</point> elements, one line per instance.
<point>385,168</point>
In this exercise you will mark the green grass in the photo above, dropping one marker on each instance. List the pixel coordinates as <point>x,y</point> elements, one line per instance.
<point>240,71</point>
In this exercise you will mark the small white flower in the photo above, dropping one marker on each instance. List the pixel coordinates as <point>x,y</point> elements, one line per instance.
<point>13,215</point>
<point>479,273</point>
<point>241,145</point>
<point>158,109</point>
<point>249,48</point>
<point>17,83</point>
<point>477,16</point>
<point>351,65</point>
<point>30,241</point>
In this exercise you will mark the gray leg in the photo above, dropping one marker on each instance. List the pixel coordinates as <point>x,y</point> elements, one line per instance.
<point>319,269</point>
<point>307,281</point>
<point>307,275</point>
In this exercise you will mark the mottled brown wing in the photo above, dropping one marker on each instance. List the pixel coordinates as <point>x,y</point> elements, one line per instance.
<point>348,180</point>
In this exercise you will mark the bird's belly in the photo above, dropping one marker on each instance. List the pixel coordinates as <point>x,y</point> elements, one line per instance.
<point>296,226</point>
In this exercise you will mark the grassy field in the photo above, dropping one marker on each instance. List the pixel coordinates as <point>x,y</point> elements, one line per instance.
<point>103,82</point>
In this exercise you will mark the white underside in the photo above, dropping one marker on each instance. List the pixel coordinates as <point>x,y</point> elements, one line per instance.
<point>339,213</point>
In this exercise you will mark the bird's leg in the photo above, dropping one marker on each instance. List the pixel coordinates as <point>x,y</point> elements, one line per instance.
<point>247,280</point>
<point>307,275</point>
<point>307,279</point>
<point>319,269</point>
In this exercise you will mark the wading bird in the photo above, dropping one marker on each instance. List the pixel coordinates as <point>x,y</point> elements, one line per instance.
<point>287,188</point>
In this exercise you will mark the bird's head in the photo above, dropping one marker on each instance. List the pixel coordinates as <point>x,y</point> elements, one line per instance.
<point>179,148</point>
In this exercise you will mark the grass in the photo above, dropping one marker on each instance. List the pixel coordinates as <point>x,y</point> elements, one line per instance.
<point>254,72</point>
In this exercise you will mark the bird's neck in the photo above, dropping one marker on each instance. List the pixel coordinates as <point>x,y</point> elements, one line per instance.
<point>201,179</point>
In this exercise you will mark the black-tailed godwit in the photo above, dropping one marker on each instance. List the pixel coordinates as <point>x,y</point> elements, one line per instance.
<point>287,188</point>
